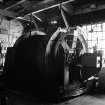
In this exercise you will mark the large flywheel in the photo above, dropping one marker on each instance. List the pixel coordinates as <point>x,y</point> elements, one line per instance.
<point>66,47</point>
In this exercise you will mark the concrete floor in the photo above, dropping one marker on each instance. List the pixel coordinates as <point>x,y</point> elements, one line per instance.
<point>86,99</point>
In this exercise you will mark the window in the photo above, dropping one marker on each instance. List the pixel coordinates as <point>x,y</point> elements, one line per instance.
<point>95,36</point>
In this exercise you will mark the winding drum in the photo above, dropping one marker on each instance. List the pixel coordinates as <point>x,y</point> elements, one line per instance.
<point>38,62</point>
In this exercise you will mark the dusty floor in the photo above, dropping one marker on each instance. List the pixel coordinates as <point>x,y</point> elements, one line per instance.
<point>85,99</point>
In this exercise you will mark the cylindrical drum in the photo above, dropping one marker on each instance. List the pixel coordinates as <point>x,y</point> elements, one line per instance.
<point>32,66</point>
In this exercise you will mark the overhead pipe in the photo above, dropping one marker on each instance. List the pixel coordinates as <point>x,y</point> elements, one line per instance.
<point>58,4</point>
<point>15,4</point>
